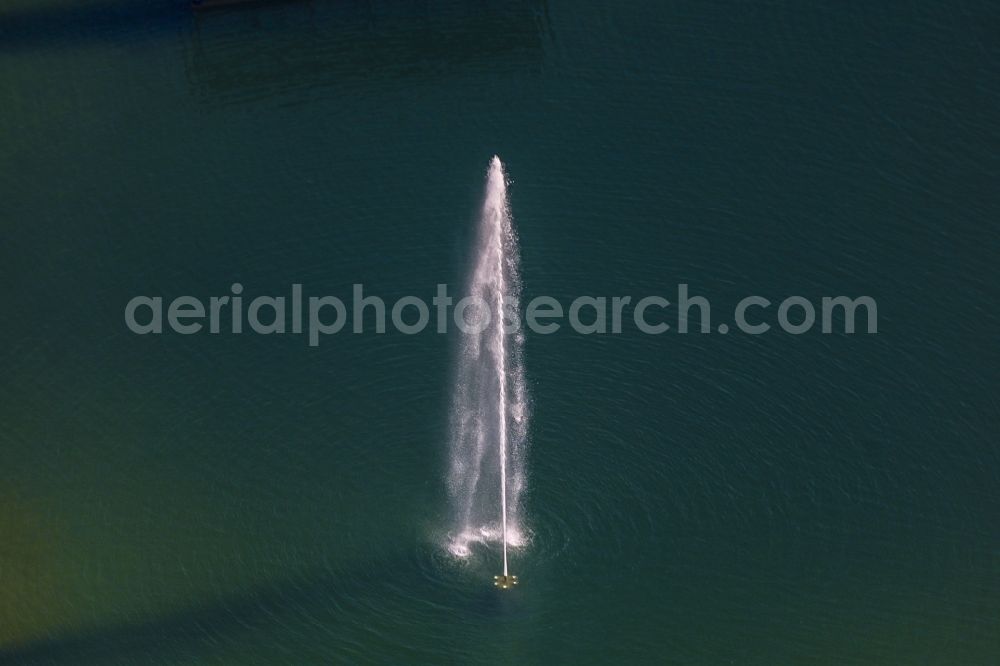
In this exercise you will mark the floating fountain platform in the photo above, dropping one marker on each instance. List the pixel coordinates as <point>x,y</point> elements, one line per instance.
<point>505,582</point>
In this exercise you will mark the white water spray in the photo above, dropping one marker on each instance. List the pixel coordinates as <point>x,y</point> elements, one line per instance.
<point>489,414</point>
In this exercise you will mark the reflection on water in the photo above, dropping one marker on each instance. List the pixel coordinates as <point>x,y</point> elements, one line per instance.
<point>241,54</point>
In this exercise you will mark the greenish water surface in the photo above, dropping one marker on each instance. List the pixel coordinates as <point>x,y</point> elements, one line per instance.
<point>693,499</point>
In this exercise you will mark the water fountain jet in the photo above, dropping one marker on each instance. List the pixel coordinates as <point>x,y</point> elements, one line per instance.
<point>489,414</point>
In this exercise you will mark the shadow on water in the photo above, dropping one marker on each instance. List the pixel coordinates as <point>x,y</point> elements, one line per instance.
<point>69,25</point>
<point>462,29</point>
<point>188,632</point>
<point>239,55</point>
<point>332,596</point>
<point>262,48</point>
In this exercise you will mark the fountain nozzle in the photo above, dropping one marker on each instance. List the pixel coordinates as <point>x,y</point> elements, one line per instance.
<point>505,582</point>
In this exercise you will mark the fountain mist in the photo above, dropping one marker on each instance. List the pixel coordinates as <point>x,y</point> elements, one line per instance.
<point>489,412</point>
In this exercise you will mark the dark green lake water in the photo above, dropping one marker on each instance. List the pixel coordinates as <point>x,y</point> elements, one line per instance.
<point>693,499</point>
